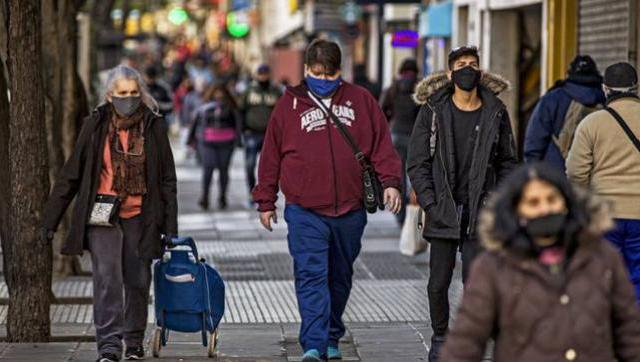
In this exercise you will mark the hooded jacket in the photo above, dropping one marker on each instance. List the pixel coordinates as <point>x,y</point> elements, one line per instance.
<point>587,314</point>
<point>306,156</point>
<point>257,105</point>
<point>431,159</point>
<point>548,119</point>
<point>399,107</point>
<point>80,177</point>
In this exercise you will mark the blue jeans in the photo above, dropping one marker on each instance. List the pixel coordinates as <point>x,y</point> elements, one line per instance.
<point>626,236</point>
<point>323,250</point>
<point>252,146</point>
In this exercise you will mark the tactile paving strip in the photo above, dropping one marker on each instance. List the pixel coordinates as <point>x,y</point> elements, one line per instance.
<point>275,302</point>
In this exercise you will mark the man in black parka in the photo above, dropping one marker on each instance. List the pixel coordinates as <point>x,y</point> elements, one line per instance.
<point>461,147</point>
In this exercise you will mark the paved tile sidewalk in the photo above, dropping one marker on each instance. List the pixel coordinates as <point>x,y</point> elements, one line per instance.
<point>387,316</point>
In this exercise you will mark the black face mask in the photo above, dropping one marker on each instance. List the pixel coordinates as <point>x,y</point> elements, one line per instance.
<point>264,84</point>
<point>545,226</point>
<point>466,78</point>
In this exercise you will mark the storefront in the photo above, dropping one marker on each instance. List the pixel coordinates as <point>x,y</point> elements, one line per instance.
<point>608,30</point>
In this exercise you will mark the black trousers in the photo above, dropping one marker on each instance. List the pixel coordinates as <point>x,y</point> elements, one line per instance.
<point>442,261</point>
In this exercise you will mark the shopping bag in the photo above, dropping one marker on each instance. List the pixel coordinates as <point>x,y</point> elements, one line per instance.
<point>411,241</point>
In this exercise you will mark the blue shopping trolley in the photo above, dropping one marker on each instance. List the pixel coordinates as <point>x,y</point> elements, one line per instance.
<point>189,295</point>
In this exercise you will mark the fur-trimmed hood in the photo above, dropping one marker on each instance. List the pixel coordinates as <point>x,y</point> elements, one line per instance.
<point>599,214</point>
<point>437,81</point>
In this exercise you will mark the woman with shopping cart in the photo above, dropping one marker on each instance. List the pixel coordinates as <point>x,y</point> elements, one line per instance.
<point>122,177</point>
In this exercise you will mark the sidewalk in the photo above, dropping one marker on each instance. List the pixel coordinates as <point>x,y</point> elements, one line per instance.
<point>387,315</point>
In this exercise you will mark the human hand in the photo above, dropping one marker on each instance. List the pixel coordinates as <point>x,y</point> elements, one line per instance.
<point>266,217</point>
<point>48,234</point>
<point>392,199</point>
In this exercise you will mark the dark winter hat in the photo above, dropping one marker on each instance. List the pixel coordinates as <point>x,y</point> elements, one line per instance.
<point>263,69</point>
<point>151,72</point>
<point>620,75</point>
<point>583,69</point>
<point>409,65</point>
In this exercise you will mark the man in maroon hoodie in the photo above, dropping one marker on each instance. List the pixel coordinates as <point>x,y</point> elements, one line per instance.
<point>306,156</point>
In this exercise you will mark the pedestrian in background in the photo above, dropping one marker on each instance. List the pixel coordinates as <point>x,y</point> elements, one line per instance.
<point>401,111</point>
<point>549,288</point>
<point>551,128</point>
<point>460,149</point>
<point>161,92</point>
<point>122,154</point>
<point>215,133</point>
<point>360,78</point>
<point>322,181</point>
<point>605,157</point>
<point>257,105</point>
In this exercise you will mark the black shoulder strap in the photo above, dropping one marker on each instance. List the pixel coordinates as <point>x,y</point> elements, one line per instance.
<point>625,127</point>
<point>341,127</point>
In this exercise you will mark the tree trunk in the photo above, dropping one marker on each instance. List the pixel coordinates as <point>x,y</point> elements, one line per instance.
<point>4,143</point>
<point>29,270</point>
<point>64,103</point>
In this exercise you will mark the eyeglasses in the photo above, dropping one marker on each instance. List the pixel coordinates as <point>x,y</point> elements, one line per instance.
<point>120,150</point>
<point>127,153</point>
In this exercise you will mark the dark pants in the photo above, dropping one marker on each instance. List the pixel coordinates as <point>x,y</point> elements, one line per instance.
<point>252,146</point>
<point>117,267</point>
<point>216,156</point>
<point>442,262</point>
<point>401,144</point>
<point>626,236</point>
<point>323,250</point>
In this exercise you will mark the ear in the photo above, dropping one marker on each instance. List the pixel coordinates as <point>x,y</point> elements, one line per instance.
<point>449,74</point>
<point>109,98</point>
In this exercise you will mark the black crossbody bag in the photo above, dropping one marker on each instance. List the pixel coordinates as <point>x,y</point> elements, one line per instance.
<point>373,190</point>
<point>625,127</point>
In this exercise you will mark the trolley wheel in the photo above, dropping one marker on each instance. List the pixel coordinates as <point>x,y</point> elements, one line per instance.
<point>213,344</point>
<point>156,342</point>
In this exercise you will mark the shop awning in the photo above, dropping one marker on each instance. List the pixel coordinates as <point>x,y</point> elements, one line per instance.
<point>435,22</point>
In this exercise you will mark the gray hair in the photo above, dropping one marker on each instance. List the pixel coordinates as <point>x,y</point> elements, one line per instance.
<point>609,91</point>
<point>125,72</point>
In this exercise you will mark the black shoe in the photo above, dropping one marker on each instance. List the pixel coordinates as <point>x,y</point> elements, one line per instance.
<point>223,203</point>
<point>134,353</point>
<point>203,203</point>
<point>436,345</point>
<point>108,357</point>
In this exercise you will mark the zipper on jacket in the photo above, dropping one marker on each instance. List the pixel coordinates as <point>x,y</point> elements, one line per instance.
<point>472,221</point>
<point>476,142</point>
<point>333,166</point>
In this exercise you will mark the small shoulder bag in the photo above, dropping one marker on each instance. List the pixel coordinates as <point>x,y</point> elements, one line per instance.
<point>372,187</point>
<point>105,211</point>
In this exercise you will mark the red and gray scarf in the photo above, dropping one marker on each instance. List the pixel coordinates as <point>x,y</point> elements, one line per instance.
<point>129,175</point>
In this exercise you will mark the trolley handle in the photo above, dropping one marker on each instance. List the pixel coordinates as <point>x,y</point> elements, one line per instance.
<point>184,241</point>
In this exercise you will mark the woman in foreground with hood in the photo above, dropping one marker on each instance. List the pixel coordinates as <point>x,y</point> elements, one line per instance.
<point>548,287</point>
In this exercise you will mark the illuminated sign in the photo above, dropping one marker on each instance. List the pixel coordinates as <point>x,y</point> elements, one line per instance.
<point>178,16</point>
<point>405,39</point>
<point>238,24</point>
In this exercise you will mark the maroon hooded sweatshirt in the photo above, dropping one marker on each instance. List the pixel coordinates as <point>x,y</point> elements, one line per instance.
<point>306,156</point>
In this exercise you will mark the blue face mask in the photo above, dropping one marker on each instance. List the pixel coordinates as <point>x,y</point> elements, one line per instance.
<point>322,87</point>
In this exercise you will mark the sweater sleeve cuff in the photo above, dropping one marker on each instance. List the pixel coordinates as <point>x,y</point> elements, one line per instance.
<point>266,206</point>
<point>396,184</point>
